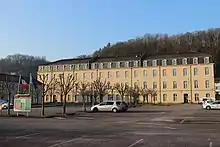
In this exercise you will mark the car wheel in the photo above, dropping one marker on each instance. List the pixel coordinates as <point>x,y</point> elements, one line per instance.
<point>95,110</point>
<point>114,110</point>
<point>208,107</point>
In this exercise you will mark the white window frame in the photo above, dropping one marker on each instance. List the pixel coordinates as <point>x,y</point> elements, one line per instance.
<point>196,84</point>
<point>109,65</point>
<point>164,62</point>
<point>144,73</point>
<point>174,61</point>
<point>175,85</point>
<point>127,64</point>
<point>206,71</point>
<point>184,61</point>
<point>154,72</point>
<point>195,60</point>
<point>101,65</point>
<point>185,85</point>
<point>145,63</point>
<point>206,60</point>
<point>164,72</point>
<point>135,63</point>
<point>118,64</point>
<point>93,65</point>
<point>154,63</point>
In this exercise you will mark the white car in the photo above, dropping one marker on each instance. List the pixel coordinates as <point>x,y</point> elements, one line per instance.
<point>202,100</point>
<point>114,106</point>
<point>4,104</point>
<point>211,105</point>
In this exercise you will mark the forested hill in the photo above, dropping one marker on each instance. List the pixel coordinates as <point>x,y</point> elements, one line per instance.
<point>207,41</point>
<point>21,64</point>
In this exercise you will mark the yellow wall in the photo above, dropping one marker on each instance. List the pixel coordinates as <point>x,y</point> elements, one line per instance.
<point>140,79</point>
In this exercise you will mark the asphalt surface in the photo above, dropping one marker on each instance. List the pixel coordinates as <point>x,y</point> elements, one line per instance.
<point>153,126</point>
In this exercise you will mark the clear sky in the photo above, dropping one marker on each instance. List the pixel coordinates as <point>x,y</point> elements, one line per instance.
<point>67,28</point>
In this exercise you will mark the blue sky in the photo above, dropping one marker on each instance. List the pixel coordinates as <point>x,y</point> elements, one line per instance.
<point>67,28</point>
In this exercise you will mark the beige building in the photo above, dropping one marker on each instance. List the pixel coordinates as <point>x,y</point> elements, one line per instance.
<point>176,77</point>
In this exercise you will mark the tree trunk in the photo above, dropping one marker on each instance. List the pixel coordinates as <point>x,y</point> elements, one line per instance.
<point>95,99</point>
<point>91,100</point>
<point>122,97</point>
<point>64,105</point>
<point>42,105</point>
<point>101,98</point>
<point>84,105</point>
<point>9,101</point>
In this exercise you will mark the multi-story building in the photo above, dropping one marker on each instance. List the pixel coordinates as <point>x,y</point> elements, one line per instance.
<point>176,77</point>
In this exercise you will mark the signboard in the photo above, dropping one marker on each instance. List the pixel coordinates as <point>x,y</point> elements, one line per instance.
<point>22,103</point>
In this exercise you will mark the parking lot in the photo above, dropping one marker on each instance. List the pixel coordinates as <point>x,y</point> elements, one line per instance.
<point>148,126</point>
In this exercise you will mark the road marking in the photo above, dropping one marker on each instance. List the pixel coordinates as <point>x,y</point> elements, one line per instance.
<point>182,121</point>
<point>210,144</point>
<point>145,123</point>
<point>169,128</point>
<point>138,141</point>
<point>162,112</point>
<point>25,136</point>
<point>65,142</point>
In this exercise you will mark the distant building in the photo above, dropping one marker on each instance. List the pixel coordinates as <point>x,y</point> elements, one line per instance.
<point>13,82</point>
<point>181,77</point>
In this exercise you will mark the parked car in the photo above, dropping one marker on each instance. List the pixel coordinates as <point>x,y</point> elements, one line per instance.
<point>211,105</point>
<point>4,104</point>
<point>204,99</point>
<point>114,106</point>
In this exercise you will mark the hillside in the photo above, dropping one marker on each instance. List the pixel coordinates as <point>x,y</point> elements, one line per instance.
<point>21,64</point>
<point>207,41</point>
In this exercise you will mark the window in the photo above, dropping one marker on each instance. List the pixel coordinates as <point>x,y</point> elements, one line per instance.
<point>135,63</point>
<point>102,104</point>
<point>85,66</point>
<point>196,84</point>
<point>185,84</point>
<point>196,97</point>
<point>109,65</point>
<point>174,62</point>
<point>206,71</point>
<point>118,65</point>
<point>174,84</point>
<point>117,97</point>
<point>207,84</point>
<point>101,65</point>
<point>144,73</point>
<point>154,62</point>
<point>207,95</point>
<point>184,71</point>
<point>126,74</point>
<point>195,71</point>
<point>68,98</point>
<point>174,97</point>
<point>164,62</point>
<point>184,61</point>
<point>145,63</point>
<point>164,85</point>
<point>145,85</point>
<point>206,60</point>
<point>195,60</point>
<point>127,64</point>
<point>154,73</point>
<point>109,75</point>
<point>109,103</point>
<point>117,74</point>
<point>93,66</point>
<point>174,72</point>
<point>135,74</point>
<point>154,85</point>
<point>164,72</point>
<point>100,75</point>
<point>164,97</point>
<point>84,76</point>
<point>92,75</point>
<point>47,97</point>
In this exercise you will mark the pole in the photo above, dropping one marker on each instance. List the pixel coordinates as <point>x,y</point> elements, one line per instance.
<point>19,82</point>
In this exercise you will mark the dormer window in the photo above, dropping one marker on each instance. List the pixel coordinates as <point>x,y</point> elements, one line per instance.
<point>57,67</point>
<point>206,60</point>
<point>85,66</point>
<point>127,64</point>
<point>109,65</point>
<point>164,62</point>
<point>154,63</point>
<point>135,63</point>
<point>195,60</point>
<point>118,65</point>
<point>93,66</point>
<point>174,62</point>
<point>77,66</point>
<point>101,65</point>
<point>184,61</point>
<point>145,63</point>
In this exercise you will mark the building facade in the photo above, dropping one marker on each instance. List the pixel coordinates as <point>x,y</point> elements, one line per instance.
<point>181,77</point>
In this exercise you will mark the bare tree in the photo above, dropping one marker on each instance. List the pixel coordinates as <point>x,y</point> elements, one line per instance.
<point>153,94</point>
<point>66,84</point>
<point>144,93</point>
<point>100,88</point>
<point>134,93</point>
<point>122,89</point>
<point>84,91</point>
<point>9,87</point>
<point>46,87</point>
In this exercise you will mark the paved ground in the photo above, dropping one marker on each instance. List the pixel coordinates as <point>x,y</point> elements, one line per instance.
<point>153,126</point>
